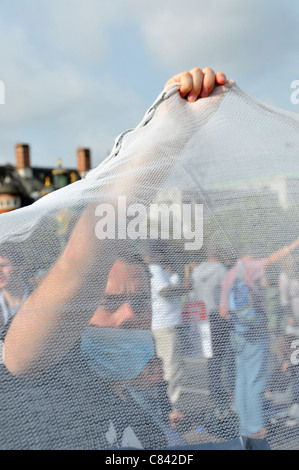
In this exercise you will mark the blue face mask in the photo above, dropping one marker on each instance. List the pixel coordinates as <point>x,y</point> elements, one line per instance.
<point>117,354</point>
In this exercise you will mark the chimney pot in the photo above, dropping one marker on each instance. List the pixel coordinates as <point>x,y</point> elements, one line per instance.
<point>22,152</point>
<point>83,160</point>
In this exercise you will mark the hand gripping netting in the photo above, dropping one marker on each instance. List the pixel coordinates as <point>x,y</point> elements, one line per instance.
<point>171,293</point>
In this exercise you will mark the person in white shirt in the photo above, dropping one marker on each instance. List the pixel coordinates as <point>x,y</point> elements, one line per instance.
<point>207,280</point>
<point>166,320</point>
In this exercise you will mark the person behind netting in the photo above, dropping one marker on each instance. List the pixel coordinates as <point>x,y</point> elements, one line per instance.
<point>207,280</point>
<point>14,289</point>
<point>57,424</point>
<point>243,303</point>
<point>289,297</point>
<point>52,400</point>
<point>279,390</point>
<point>166,322</point>
<point>124,356</point>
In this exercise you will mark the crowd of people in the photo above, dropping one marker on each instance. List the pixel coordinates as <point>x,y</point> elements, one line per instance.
<point>80,370</point>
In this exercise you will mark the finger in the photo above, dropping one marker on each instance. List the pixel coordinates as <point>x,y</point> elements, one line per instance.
<point>174,79</point>
<point>220,78</point>
<point>208,82</point>
<point>186,81</point>
<point>197,77</point>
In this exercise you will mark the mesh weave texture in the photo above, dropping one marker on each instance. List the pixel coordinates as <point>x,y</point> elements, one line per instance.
<point>122,327</point>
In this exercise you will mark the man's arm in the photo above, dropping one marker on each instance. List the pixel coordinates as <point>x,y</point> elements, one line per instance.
<point>53,318</point>
<point>278,255</point>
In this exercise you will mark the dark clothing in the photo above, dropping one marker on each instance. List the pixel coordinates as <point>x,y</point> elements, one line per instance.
<point>69,407</point>
<point>221,365</point>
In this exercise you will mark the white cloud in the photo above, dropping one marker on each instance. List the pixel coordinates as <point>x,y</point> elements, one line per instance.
<point>241,34</point>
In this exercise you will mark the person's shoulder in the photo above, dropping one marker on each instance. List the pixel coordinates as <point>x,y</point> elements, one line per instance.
<point>175,279</point>
<point>155,269</point>
<point>208,268</point>
<point>198,268</point>
<point>159,276</point>
<point>222,268</point>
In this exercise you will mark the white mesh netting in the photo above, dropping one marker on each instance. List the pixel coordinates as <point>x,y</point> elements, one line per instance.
<point>155,302</point>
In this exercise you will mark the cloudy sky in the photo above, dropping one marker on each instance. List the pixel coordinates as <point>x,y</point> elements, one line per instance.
<point>78,73</point>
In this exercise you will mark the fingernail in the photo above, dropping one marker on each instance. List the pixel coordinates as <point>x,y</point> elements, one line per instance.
<point>191,98</point>
<point>204,93</point>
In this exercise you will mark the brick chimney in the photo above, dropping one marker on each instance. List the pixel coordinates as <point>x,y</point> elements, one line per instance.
<point>83,161</point>
<point>22,152</point>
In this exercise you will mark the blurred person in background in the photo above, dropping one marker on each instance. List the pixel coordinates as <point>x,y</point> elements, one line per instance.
<point>14,289</point>
<point>207,278</point>
<point>166,322</point>
<point>243,303</point>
